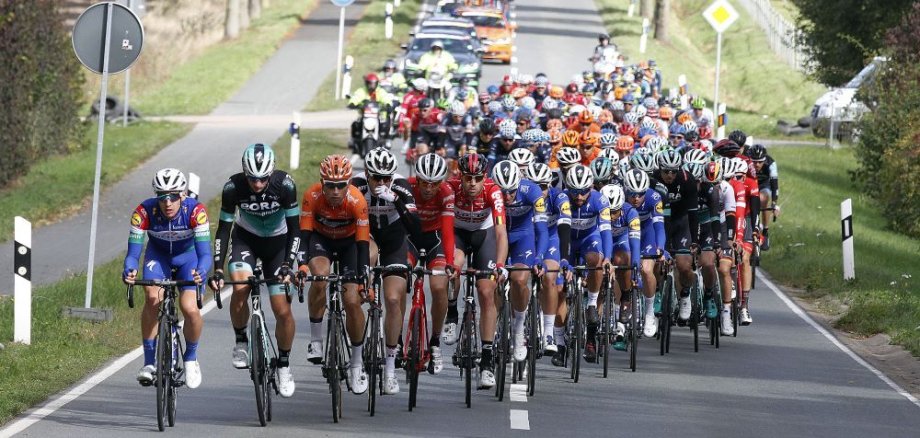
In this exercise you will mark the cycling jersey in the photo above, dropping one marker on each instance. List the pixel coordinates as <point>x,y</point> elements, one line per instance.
<point>559,224</point>
<point>183,241</point>
<point>768,178</point>
<point>436,216</point>
<point>626,233</point>
<point>681,221</point>
<point>588,158</point>
<point>526,220</point>
<point>390,221</point>
<point>499,152</point>
<point>481,212</point>
<point>335,222</point>
<point>651,221</point>
<point>270,213</point>
<point>708,216</point>
<point>591,230</point>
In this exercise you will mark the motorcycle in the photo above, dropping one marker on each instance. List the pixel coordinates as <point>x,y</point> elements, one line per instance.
<point>373,129</point>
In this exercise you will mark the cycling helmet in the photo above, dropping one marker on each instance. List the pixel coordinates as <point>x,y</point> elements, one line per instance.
<point>698,103</point>
<point>640,111</point>
<point>389,64</point>
<point>533,135</point>
<point>610,153</point>
<point>589,138</point>
<point>691,136</point>
<point>728,167</point>
<point>695,169</point>
<point>690,126</point>
<point>668,159</point>
<point>636,181</point>
<point>727,148</point>
<point>579,178</point>
<point>602,168</point>
<point>425,103</point>
<point>258,160</point>
<point>585,116</point>
<point>528,103</point>
<point>757,152</point>
<point>169,180</point>
<point>712,172</point>
<point>631,118</point>
<point>616,105</point>
<point>522,157</point>
<point>549,104</point>
<point>625,143</point>
<point>487,126</point>
<point>335,168</point>
<point>556,92</point>
<point>601,37</point>
<point>420,84</point>
<point>739,166</point>
<point>739,137</point>
<point>567,156</point>
<point>472,164</point>
<point>380,162</point>
<point>650,102</point>
<point>507,129</point>
<point>508,103</point>
<point>457,108</point>
<point>431,167</point>
<point>525,79</point>
<point>614,194</point>
<point>666,113</point>
<point>624,166</point>
<point>695,156</point>
<point>608,139</point>
<point>485,97</point>
<point>589,88</point>
<point>554,136</point>
<point>678,130</point>
<point>541,80</point>
<point>539,173</point>
<point>437,44</point>
<point>649,123</point>
<point>570,138</point>
<point>507,175</point>
<point>642,161</point>
<point>656,144</point>
<point>495,106</point>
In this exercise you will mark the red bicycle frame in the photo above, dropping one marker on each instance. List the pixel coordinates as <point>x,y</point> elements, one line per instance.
<point>418,302</point>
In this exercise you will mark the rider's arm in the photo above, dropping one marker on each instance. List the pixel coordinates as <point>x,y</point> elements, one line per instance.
<point>540,224</point>
<point>658,219</point>
<point>501,229</point>
<point>139,225</point>
<point>606,229</point>
<point>692,203</point>
<point>405,206</point>
<point>635,236</point>
<point>198,222</point>
<point>292,219</point>
<point>224,224</point>
<point>774,181</point>
<point>447,228</point>
<point>362,229</point>
<point>564,224</point>
<point>357,99</point>
<point>753,201</point>
<point>307,205</point>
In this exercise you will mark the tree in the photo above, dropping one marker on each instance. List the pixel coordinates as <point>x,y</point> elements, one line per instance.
<point>662,7</point>
<point>244,14</point>
<point>255,9</point>
<point>647,8</point>
<point>840,35</point>
<point>232,29</point>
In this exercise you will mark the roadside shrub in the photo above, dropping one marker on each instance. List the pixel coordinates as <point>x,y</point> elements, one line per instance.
<point>40,80</point>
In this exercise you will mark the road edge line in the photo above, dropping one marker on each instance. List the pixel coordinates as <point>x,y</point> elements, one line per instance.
<point>849,352</point>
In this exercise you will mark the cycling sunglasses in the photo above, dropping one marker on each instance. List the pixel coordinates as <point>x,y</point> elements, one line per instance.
<point>579,192</point>
<point>474,178</point>
<point>509,191</point>
<point>635,194</point>
<point>382,178</point>
<point>508,139</point>
<point>168,197</point>
<point>669,171</point>
<point>257,179</point>
<point>335,185</point>
<point>544,186</point>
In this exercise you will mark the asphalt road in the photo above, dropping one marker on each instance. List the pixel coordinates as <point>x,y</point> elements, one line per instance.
<point>779,377</point>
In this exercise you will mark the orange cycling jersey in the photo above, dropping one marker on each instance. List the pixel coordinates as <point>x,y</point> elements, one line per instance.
<point>335,222</point>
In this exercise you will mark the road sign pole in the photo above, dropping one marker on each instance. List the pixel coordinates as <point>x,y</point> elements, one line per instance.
<point>338,58</point>
<point>715,102</point>
<point>124,116</point>
<point>110,10</point>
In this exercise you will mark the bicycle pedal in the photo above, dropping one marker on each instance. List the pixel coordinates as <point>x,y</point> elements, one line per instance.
<point>146,384</point>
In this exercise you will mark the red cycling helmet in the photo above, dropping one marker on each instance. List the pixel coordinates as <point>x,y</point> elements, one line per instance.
<point>472,164</point>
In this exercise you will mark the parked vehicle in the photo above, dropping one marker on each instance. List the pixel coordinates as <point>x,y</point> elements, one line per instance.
<point>841,104</point>
<point>495,31</point>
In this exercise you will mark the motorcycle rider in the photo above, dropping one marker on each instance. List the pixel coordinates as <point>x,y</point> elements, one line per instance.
<point>360,98</point>
<point>391,80</point>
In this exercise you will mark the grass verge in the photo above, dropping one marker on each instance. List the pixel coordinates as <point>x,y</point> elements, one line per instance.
<point>202,83</point>
<point>806,250</point>
<point>754,81</point>
<point>369,47</point>
<point>60,185</point>
<point>65,350</point>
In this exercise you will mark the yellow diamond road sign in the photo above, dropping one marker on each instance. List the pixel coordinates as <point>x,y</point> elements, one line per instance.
<point>720,15</point>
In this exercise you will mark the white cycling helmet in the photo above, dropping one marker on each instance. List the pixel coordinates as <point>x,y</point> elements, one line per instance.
<point>539,173</point>
<point>690,126</point>
<point>380,162</point>
<point>624,165</point>
<point>528,102</point>
<point>728,167</point>
<point>615,195</point>
<point>631,117</point>
<point>522,157</point>
<point>507,129</point>
<point>602,168</point>
<point>610,153</point>
<point>636,181</point>
<point>642,161</point>
<point>420,84</point>
<point>579,177</point>
<point>507,175</point>
<point>668,159</point>
<point>431,167</point>
<point>696,156</point>
<point>457,108</point>
<point>640,110</point>
<point>740,166</point>
<point>169,180</point>
<point>568,156</point>
<point>258,160</point>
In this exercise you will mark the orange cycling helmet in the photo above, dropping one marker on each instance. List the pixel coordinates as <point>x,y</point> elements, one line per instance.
<point>625,143</point>
<point>556,92</point>
<point>555,124</point>
<point>335,168</point>
<point>665,113</point>
<point>683,117</point>
<point>570,138</point>
<point>555,135</point>
<point>589,138</point>
<point>585,116</point>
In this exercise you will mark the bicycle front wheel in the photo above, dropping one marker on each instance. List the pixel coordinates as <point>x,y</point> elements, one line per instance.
<point>163,361</point>
<point>533,345</point>
<point>415,320</point>
<point>372,357</point>
<point>257,369</point>
<point>332,366</point>
<point>175,351</point>
<point>579,336</point>
<point>466,353</point>
<point>634,312</point>
<point>502,347</point>
<point>695,317</point>
<point>605,335</point>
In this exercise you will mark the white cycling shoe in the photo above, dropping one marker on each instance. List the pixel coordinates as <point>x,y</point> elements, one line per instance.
<point>437,363</point>
<point>286,382</point>
<point>449,333</point>
<point>746,317</point>
<point>651,326</point>
<point>728,329</point>
<point>486,379</point>
<point>520,350</point>
<point>240,356</point>
<point>145,374</point>
<point>315,352</point>
<point>391,385</point>
<point>357,379</point>
<point>192,374</point>
<point>685,309</point>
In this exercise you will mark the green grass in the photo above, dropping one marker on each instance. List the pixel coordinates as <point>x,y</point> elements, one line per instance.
<point>65,350</point>
<point>806,248</point>
<point>60,185</point>
<point>369,47</point>
<point>754,81</point>
<point>199,85</point>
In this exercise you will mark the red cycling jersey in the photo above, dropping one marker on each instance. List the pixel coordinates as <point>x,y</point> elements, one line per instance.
<point>437,214</point>
<point>480,213</point>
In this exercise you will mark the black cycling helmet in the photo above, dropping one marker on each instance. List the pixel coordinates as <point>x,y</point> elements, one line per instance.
<point>472,164</point>
<point>738,136</point>
<point>603,36</point>
<point>757,152</point>
<point>425,103</point>
<point>487,126</point>
<point>389,64</point>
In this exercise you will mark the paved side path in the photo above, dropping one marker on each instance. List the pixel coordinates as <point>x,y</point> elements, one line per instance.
<point>285,84</point>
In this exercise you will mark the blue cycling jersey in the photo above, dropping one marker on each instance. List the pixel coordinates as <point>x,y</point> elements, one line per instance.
<point>591,217</point>
<point>626,232</point>
<point>652,220</point>
<point>188,231</point>
<point>558,209</point>
<point>527,215</point>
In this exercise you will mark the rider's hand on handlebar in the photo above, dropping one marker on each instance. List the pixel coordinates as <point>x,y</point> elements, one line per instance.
<point>500,273</point>
<point>607,265</point>
<point>284,273</point>
<point>539,269</point>
<point>196,277</point>
<point>129,276</point>
<point>216,283</point>
<point>452,271</point>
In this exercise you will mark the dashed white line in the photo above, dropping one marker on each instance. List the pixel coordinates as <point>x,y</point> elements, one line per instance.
<point>519,393</point>
<point>798,311</point>
<point>520,419</point>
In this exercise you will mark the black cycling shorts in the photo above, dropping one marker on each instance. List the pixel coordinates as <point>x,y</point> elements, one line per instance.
<point>430,241</point>
<point>392,248</point>
<point>677,237</point>
<point>479,243</point>
<point>246,248</point>
<point>344,251</point>
<point>707,240</point>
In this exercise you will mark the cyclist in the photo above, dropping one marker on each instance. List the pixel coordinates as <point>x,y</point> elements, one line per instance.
<point>392,80</point>
<point>626,236</point>
<point>559,232</point>
<point>768,185</point>
<point>392,215</point>
<point>457,130</point>
<point>479,223</point>
<point>435,207</point>
<point>334,225</point>
<point>179,239</point>
<point>603,170</point>
<point>647,202</point>
<point>591,243</point>
<point>527,241</point>
<point>425,126</point>
<point>259,221</point>
<point>484,140</point>
<point>508,140</point>
<point>709,220</point>
<point>715,174</point>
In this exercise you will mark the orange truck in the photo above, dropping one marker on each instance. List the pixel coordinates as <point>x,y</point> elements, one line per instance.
<point>495,31</point>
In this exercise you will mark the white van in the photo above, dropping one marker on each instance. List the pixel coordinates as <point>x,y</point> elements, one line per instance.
<point>842,103</point>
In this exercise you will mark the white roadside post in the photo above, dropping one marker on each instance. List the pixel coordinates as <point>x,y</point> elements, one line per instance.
<point>643,40</point>
<point>397,3</point>
<point>346,75</point>
<point>846,234</point>
<point>632,8</point>
<point>720,15</point>
<point>388,23</point>
<point>682,91</point>
<point>342,4</point>
<point>294,130</point>
<point>721,121</point>
<point>194,185</point>
<point>22,281</point>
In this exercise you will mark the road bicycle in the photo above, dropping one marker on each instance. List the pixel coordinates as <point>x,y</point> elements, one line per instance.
<point>606,333</point>
<point>374,345</point>
<point>533,330</point>
<point>467,355</point>
<point>169,375</point>
<point>667,295</point>
<point>416,352</point>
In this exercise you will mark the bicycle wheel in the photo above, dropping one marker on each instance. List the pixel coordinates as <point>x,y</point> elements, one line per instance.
<point>466,352</point>
<point>332,365</point>
<point>664,321</point>
<point>579,336</point>
<point>695,317</point>
<point>736,315</point>
<point>175,370</point>
<point>163,381</point>
<point>634,328</point>
<point>372,357</point>
<point>257,369</point>
<point>415,352</point>
<point>672,300</point>
<point>502,341</point>
<point>606,322</point>
<point>533,345</point>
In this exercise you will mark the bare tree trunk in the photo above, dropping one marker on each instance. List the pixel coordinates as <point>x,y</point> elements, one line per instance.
<point>232,25</point>
<point>244,14</point>
<point>255,9</point>
<point>662,10</point>
<point>266,3</point>
<point>647,8</point>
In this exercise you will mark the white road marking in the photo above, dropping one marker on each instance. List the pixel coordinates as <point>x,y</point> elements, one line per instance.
<point>519,392</point>
<point>801,313</point>
<point>35,415</point>
<point>520,419</point>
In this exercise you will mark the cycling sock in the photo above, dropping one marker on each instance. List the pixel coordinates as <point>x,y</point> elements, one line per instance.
<point>357,353</point>
<point>452,313</point>
<point>559,335</point>
<point>745,297</point>
<point>191,351</point>
<point>592,298</point>
<point>649,305</point>
<point>150,351</point>
<point>284,358</point>
<point>616,312</point>
<point>316,330</point>
<point>685,292</point>
<point>390,367</point>
<point>485,360</point>
<point>548,321</point>
<point>519,318</point>
<point>435,340</point>
<point>726,307</point>
<point>241,336</point>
